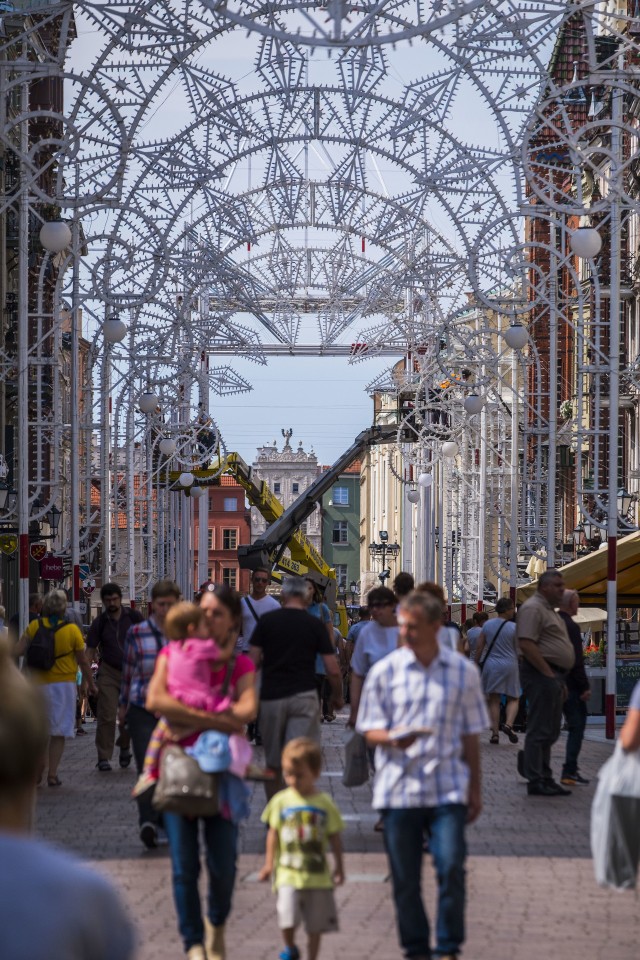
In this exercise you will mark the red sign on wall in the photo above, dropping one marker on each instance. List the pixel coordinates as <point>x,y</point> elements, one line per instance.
<point>51,568</point>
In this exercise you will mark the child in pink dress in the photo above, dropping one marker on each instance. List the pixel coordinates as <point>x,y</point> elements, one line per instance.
<point>191,657</point>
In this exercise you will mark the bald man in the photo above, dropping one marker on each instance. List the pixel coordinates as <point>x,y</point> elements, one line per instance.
<point>575,706</point>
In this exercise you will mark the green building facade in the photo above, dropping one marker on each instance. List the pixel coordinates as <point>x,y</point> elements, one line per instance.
<point>341,529</point>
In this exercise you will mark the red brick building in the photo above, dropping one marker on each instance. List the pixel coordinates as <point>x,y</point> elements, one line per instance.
<point>229,526</point>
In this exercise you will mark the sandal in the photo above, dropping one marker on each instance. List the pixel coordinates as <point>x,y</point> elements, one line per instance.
<point>54,782</point>
<point>103,765</point>
<point>494,738</point>
<point>513,737</point>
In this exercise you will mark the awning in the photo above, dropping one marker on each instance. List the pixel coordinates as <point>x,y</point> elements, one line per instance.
<point>588,576</point>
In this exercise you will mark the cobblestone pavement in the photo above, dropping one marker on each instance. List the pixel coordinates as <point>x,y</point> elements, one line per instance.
<point>531,890</point>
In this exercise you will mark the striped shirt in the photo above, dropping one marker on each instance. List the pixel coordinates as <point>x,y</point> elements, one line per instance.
<point>445,697</point>
<point>142,644</point>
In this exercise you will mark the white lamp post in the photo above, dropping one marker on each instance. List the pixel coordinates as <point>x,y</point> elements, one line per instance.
<point>114,330</point>
<point>167,446</point>
<point>55,236</point>
<point>473,403</point>
<point>449,449</point>
<point>586,242</point>
<point>516,336</point>
<point>148,402</point>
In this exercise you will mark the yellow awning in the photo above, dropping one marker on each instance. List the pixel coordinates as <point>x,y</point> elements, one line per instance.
<point>588,576</point>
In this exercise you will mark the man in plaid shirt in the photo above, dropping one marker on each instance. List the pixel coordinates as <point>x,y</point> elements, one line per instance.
<point>422,709</point>
<point>141,647</point>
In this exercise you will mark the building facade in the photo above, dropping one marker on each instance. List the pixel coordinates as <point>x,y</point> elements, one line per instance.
<point>229,525</point>
<point>341,527</point>
<point>288,473</point>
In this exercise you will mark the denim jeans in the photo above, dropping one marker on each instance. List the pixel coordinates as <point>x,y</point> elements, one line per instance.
<point>221,841</point>
<point>404,832</point>
<point>575,711</point>
<point>141,725</point>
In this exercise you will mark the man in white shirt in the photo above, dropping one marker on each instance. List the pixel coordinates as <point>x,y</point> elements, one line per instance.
<point>375,641</point>
<point>423,710</point>
<point>253,607</point>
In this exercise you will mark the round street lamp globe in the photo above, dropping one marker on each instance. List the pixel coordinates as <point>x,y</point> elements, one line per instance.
<point>449,449</point>
<point>114,330</point>
<point>413,496</point>
<point>473,403</point>
<point>186,479</point>
<point>586,242</point>
<point>196,492</point>
<point>55,236</point>
<point>425,479</point>
<point>148,402</point>
<point>516,336</point>
<point>167,446</point>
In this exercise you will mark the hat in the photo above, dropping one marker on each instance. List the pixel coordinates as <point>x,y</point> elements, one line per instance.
<point>211,751</point>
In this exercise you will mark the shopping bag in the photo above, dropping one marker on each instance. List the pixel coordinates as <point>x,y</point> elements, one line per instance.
<point>615,821</point>
<point>356,761</point>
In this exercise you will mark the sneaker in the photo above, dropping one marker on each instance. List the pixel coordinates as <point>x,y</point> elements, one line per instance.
<point>289,953</point>
<point>572,779</point>
<point>149,835</point>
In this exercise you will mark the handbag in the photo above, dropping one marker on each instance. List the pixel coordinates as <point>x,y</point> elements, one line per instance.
<point>356,761</point>
<point>491,645</point>
<point>183,787</point>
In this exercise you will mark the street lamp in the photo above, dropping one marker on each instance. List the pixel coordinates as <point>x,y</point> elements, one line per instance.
<point>353,586</point>
<point>383,550</point>
<point>52,517</point>
<point>624,499</point>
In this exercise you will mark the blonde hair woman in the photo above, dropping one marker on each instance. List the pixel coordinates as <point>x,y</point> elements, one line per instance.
<point>58,683</point>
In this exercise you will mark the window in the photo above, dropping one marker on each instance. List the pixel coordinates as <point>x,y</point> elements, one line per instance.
<point>229,539</point>
<point>341,496</point>
<point>276,486</point>
<point>341,576</point>
<point>210,538</point>
<point>210,573</point>
<point>229,576</point>
<point>230,504</point>
<point>340,532</point>
<point>295,488</point>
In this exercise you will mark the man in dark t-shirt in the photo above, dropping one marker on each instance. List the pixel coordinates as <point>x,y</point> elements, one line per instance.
<point>107,634</point>
<point>285,644</point>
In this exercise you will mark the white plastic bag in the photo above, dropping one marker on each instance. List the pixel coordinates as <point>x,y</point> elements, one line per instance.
<point>356,761</point>
<point>615,821</point>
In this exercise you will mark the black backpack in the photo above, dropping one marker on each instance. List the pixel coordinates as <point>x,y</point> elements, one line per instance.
<point>41,652</point>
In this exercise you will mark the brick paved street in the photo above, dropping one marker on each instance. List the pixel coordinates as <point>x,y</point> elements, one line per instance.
<point>531,887</point>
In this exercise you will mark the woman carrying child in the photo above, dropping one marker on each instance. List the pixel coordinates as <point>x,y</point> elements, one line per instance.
<point>220,691</point>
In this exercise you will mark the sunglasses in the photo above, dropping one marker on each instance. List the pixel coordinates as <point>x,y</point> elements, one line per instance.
<point>261,579</point>
<point>380,603</point>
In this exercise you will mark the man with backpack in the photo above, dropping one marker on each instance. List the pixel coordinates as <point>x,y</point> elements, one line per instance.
<point>255,606</point>
<point>107,635</point>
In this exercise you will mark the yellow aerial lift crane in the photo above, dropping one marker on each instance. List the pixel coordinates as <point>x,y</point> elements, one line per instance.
<point>283,526</point>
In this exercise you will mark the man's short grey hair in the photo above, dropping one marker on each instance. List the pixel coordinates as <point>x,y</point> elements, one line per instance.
<point>568,596</point>
<point>54,604</point>
<point>428,605</point>
<point>294,587</point>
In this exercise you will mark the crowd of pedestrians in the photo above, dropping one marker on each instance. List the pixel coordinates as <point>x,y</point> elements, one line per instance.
<point>179,689</point>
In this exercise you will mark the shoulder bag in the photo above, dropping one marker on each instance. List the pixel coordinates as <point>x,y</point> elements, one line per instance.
<point>182,786</point>
<point>491,645</point>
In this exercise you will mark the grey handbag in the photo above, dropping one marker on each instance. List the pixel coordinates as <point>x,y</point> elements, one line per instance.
<point>183,787</point>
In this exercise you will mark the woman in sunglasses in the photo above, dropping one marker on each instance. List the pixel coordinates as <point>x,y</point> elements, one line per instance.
<point>375,641</point>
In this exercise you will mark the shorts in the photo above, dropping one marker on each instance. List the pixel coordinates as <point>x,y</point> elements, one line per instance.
<point>61,707</point>
<point>317,908</point>
<point>283,720</point>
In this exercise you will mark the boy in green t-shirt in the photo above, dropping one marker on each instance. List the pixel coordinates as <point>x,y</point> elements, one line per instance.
<point>302,822</point>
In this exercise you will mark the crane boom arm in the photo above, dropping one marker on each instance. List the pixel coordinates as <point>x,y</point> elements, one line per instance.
<point>284,531</point>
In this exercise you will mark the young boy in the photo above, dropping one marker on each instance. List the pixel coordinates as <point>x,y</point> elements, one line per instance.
<point>302,822</point>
